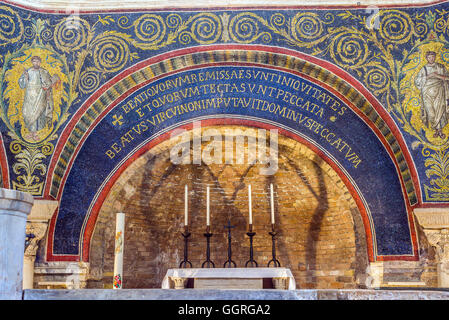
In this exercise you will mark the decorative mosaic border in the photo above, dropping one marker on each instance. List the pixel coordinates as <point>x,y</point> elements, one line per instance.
<point>287,62</point>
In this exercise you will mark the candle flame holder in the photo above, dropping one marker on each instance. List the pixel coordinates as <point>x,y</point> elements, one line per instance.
<point>185,263</point>
<point>275,261</point>
<point>251,261</point>
<point>208,262</point>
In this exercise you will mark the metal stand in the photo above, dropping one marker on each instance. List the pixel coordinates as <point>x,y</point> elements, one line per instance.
<point>186,261</point>
<point>273,238</point>
<point>251,261</point>
<point>208,262</point>
<point>229,263</point>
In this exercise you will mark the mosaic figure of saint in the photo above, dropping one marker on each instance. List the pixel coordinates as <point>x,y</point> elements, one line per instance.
<point>37,107</point>
<point>432,81</point>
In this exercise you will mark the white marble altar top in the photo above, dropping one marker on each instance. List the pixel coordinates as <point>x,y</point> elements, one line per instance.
<point>244,273</point>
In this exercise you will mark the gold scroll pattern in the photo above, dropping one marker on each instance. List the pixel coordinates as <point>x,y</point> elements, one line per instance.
<point>369,47</point>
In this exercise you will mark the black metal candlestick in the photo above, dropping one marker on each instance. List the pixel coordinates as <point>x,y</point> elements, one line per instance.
<point>229,263</point>
<point>186,261</point>
<point>251,261</point>
<point>273,238</point>
<point>208,261</point>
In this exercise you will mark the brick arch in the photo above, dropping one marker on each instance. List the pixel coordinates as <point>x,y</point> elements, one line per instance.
<point>302,148</point>
<point>317,215</point>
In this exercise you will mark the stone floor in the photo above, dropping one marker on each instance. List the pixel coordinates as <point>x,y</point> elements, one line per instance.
<point>198,294</point>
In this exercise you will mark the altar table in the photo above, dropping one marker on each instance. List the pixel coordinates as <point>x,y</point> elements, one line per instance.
<point>229,278</point>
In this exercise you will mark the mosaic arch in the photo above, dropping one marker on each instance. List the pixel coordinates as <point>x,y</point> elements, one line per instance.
<point>368,62</point>
<point>253,91</point>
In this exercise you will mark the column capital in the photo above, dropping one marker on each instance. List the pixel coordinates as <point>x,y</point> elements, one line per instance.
<point>435,224</point>
<point>37,223</point>
<point>432,218</point>
<point>439,239</point>
<point>38,229</point>
<point>42,210</point>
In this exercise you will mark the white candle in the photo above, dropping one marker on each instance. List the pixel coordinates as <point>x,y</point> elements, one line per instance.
<point>250,209</point>
<point>207,208</point>
<point>186,206</point>
<point>119,243</point>
<point>272,203</point>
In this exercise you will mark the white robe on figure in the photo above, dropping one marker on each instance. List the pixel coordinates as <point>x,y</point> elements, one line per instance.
<point>434,96</point>
<point>38,102</point>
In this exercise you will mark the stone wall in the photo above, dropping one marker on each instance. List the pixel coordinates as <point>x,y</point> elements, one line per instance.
<point>321,237</point>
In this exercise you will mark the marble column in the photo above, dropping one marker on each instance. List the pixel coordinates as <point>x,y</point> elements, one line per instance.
<point>14,209</point>
<point>37,224</point>
<point>435,223</point>
<point>38,230</point>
